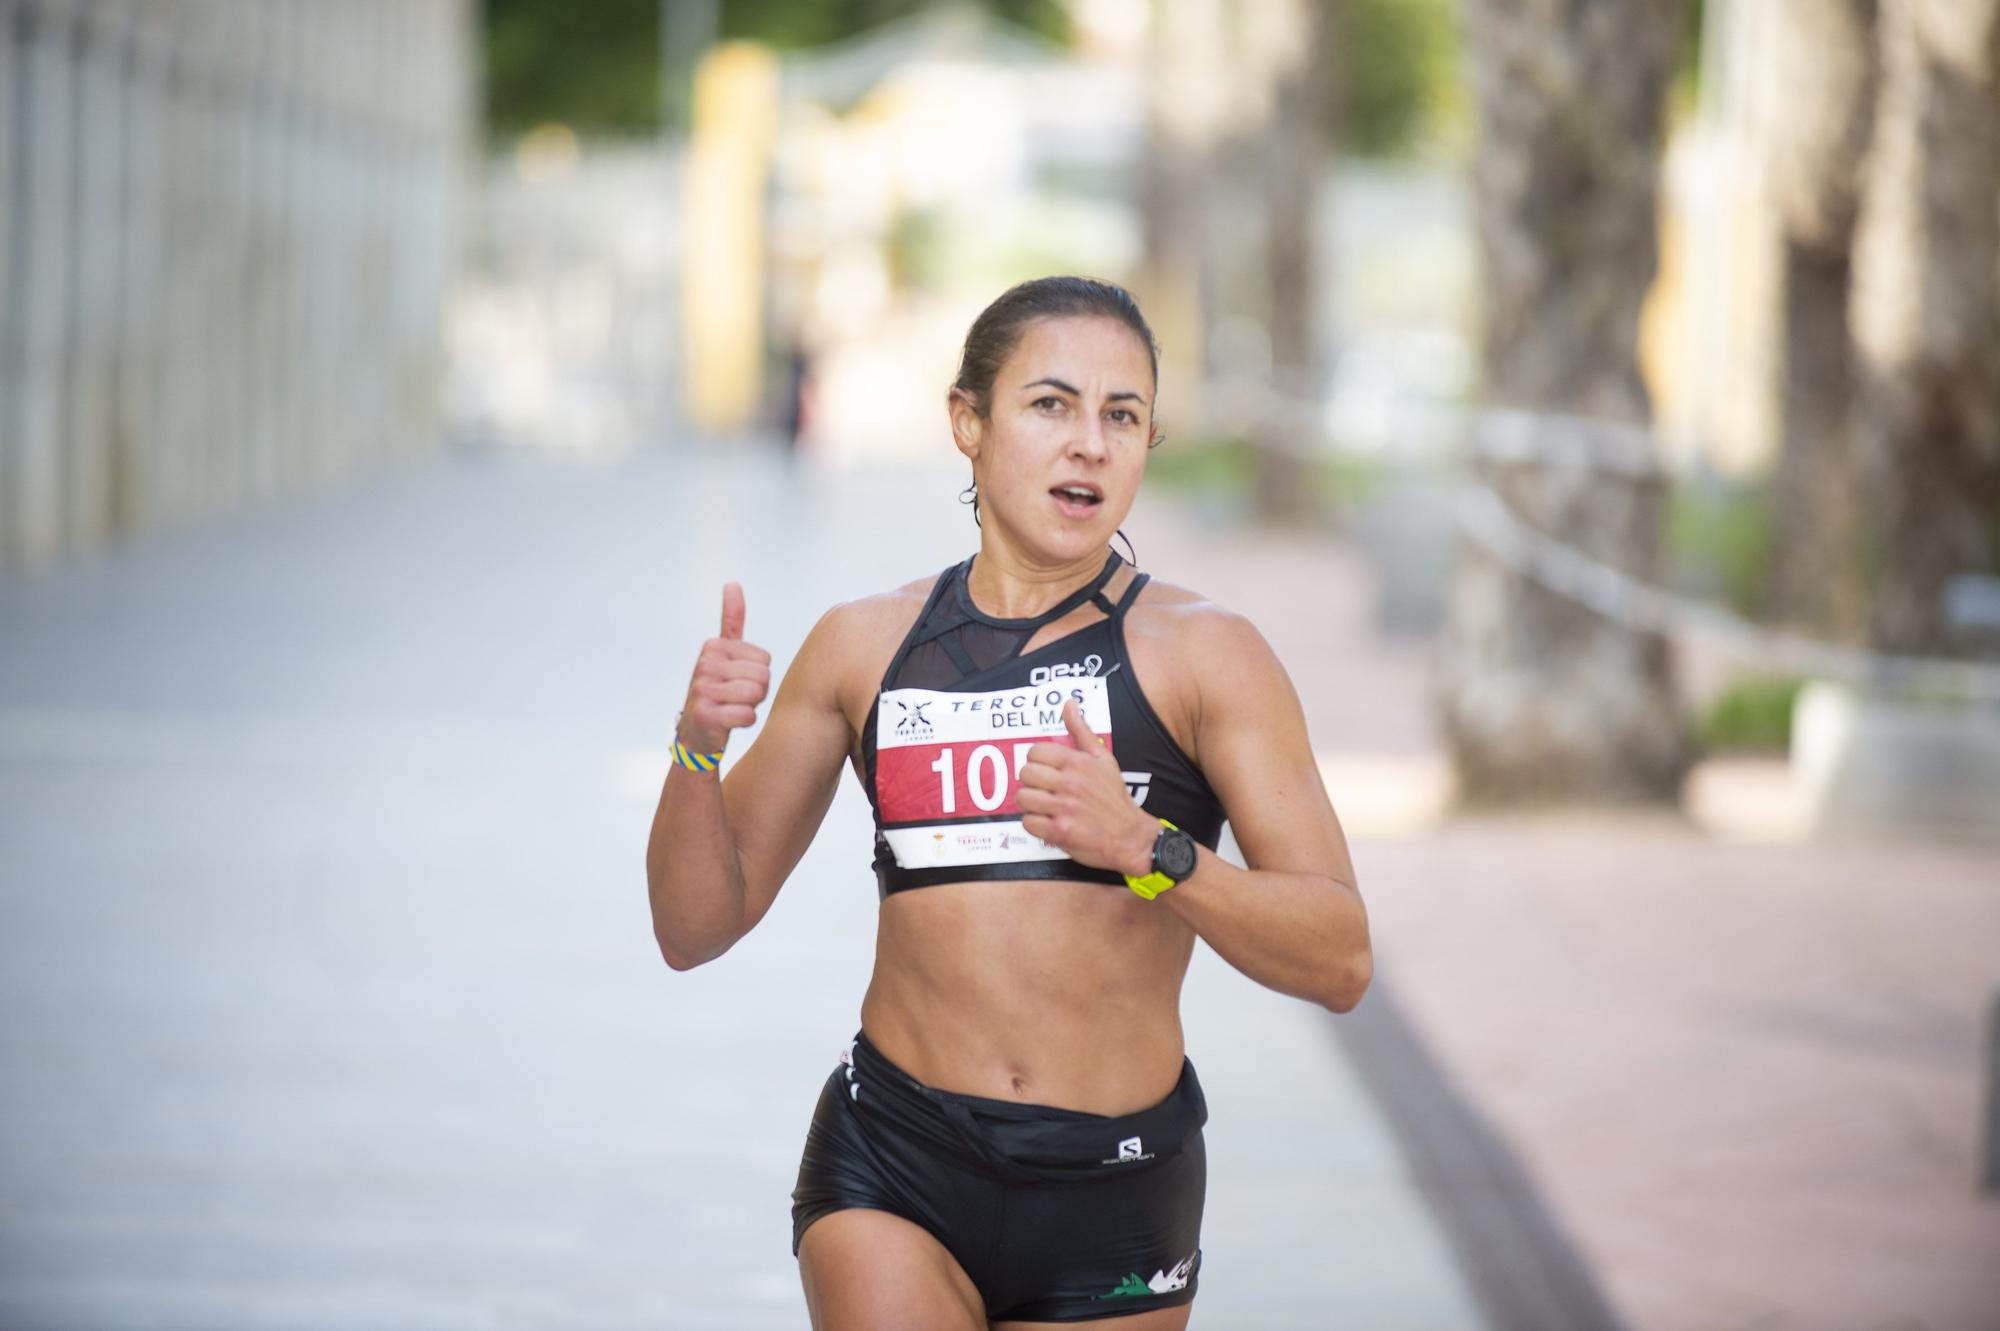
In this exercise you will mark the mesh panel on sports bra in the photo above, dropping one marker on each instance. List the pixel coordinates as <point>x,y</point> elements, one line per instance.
<point>956,646</point>
<point>957,652</point>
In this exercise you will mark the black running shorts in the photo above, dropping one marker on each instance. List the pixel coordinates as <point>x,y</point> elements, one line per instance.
<point>1057,1215</point>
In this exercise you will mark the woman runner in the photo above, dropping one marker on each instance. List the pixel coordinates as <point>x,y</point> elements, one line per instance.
<point>1051,742</point>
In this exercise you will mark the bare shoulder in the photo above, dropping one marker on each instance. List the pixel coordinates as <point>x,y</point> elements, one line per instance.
<point>860,624</point>
<point>859,636</point>
<point>1221,658</point>
<point>1182,619</point>
<point>1198,659</point>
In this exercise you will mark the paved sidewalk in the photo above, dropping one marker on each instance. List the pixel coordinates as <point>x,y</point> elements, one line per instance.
<point>323,939</point>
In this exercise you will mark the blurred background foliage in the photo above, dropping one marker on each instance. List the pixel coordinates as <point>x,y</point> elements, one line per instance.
<point>596,67</point>
<point>1752,716</point>
<point>792,25</point>
<point>1720,536</point>
<point>1399,87</point>
<point>593,67</point>
<point>1218,472</point>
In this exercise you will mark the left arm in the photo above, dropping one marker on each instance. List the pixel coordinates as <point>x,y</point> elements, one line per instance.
<point>1294,920</point>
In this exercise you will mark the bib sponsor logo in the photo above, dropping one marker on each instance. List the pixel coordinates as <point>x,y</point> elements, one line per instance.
<point>913,724</point>
<point>1085,669</point>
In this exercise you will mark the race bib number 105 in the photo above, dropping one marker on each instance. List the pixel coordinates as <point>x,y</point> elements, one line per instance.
<point>951,763</point>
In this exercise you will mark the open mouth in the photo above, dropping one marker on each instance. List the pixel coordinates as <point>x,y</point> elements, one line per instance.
<point>1077,498</point>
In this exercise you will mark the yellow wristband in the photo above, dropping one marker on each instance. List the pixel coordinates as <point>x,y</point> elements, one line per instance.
<point>1153,883</point>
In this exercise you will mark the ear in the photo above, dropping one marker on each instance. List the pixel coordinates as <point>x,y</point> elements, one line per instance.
<point>967,429</point>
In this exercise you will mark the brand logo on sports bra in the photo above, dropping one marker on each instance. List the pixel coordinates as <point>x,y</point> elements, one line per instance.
<point>1084,669</point>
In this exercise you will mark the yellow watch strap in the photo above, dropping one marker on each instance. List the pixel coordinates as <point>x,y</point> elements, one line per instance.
<point>1152,884</point>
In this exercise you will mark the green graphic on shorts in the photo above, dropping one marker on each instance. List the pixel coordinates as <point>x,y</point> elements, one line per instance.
<point>1163,1282</point>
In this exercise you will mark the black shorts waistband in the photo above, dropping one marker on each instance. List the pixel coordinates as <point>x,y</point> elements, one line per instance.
<point>1029,1141</point>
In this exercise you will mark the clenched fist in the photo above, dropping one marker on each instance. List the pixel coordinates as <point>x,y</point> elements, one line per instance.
<point>730,678</point>
<point>1075,798</point>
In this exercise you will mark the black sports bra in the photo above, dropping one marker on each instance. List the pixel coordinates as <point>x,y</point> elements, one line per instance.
<point>959,706</point>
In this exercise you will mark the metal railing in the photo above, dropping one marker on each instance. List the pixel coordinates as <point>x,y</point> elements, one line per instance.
<point>1467,437</point>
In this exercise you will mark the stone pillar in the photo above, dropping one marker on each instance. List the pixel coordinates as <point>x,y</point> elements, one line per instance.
<point>223,252</point>
<point>97,183</point>
<point>44,141</point>
<point>13,242</point>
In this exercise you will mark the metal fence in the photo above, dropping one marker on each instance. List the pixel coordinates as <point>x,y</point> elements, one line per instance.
<point>226,234</point>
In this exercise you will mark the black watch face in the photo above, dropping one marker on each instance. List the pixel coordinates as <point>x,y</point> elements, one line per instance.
<point>1175,854</point>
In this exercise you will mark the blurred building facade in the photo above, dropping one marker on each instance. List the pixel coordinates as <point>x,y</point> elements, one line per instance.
<point>561,327</point>
<point>227,236</point>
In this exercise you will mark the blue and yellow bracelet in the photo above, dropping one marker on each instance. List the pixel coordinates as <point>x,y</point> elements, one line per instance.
<point>696,762</point>
<point>688,758</point>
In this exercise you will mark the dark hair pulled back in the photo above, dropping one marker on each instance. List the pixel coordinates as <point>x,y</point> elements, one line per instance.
<point>997,332</point>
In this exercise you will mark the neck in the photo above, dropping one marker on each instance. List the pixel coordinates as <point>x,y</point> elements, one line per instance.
<point>1008,585</point>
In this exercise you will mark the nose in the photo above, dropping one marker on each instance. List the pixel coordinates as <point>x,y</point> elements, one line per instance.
<point>1089,442</point>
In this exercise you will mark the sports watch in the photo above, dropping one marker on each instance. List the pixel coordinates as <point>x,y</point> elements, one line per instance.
<point>1173,862</point>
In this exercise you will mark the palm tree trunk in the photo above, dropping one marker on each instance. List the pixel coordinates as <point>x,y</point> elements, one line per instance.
<point>1176,176</point>
<point>1928,313</point>
<point>1541,697</point>
<point>1294,157</point>
<point>1824,57</point>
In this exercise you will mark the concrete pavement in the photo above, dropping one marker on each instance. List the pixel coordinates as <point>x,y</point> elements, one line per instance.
<point>323,936</point>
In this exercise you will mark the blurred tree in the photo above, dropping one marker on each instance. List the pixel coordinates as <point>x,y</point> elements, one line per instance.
<point>1188,89</point>
<point>596,67</point>
<point>1542,698</point>
<point>1927,310</point>
<point>1815,137</point>
<point>1293,159</point>
<point>795,24</point>
<point>1397,73</point>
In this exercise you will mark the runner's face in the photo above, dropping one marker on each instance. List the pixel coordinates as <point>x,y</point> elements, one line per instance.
<point>1072,406</point>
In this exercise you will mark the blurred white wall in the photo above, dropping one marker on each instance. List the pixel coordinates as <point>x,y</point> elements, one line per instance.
<point>562,328</point>
<point>226,235</point>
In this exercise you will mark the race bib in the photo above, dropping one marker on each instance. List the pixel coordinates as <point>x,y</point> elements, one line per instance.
<point>948,767</point>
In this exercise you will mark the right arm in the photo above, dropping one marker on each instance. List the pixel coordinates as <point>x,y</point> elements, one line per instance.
<point>722,846</point>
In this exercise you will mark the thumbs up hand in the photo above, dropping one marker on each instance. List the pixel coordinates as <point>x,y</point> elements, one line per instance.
<point>731,677</point>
